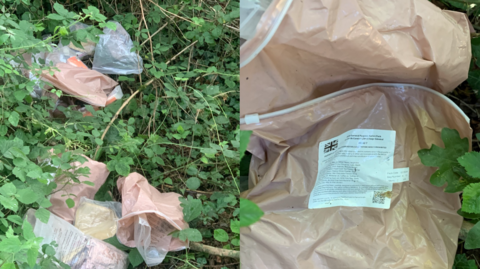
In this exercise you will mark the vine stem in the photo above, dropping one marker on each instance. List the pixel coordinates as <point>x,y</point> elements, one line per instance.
<point>215,251</point>
<point>118,113</point>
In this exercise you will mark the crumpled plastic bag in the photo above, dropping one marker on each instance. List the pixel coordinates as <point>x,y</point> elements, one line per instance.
<point>323,46</point>
<point>148,216</point>
<point>419,229</point>
<point>98,219</point>
<point>113,53</point>
<point>98,175</point>
<point>75,248</point>
<point>86,85</point>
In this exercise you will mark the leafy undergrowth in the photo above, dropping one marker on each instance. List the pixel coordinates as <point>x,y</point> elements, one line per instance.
<point>466,96</point>
<point>180,130</point>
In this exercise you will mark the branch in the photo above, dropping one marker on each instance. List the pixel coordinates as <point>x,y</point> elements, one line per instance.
<point>215,251</point>
<point>118,113</point>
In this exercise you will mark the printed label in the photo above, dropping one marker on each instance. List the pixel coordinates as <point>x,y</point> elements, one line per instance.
<point>356,169</point>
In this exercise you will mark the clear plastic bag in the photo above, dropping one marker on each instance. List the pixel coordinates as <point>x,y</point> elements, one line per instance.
<point>148,217</point>
<point>75,248</point>
<point>98,219</point>
<point>113,53</point>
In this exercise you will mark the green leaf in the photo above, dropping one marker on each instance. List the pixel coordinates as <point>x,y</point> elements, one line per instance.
<point>193,183</point>
<point>473,237</point>
<point>43,215</point>
<point>471,198</point>
<point>3,130</point>
<point>28,230</point>
<point>114,241</point>
<point>471,162</point>
<point>32,255</point>
<point>8,189</point>
<point>70,203</point>
<point>14,118</point>
<point>122,169</point>
<point>9,203</point>
<point>235,242</point>
<point>235,226</point>
<point>15,219</point>
<point>168,181</point>
<point>99,141</point>
<point>220,235</point>
<point>249,212</point>
<point>445,158</point>
<point>55,17</point>
<point>27,196</point>
<point>192,208</point>
<point>190,234</point>
<point>244,140</point>
<point>11,245</point>
<point>8,265</point>
<point>461,262</point>
<point>135,258</point>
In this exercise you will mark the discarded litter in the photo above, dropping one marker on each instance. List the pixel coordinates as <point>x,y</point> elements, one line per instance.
<point>84,84</point>
<point>113,53</point>
<point>98,219</point>
<point>67,189</point>
<point>379,41</point>
<point>331,146</point>
<point>75,248</point>
<point>148,217</point>
<point>88,47</point>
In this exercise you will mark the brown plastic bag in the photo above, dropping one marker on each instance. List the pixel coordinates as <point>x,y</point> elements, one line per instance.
<point>419,230</point>
<point>98,175</point>
<point>87,85</point>
<point>148,216</point>
<point>322,46</point>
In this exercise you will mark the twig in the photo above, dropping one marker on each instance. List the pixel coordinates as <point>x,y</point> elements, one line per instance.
<point>215,251</point>
<point>148,31</point>
<point>173,58</point>
<point>118,113</point>
<point>461,101</point>
<point>158,31</point>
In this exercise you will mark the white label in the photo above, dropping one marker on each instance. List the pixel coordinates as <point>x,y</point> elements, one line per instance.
<point>353,168</point>
<point>76,249</point>
<point>398,175</point>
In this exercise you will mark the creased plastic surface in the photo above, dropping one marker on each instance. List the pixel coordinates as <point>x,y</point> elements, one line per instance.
<point>113,55</point>
<point>419,230</point>
<point>98,175</point>
<point>148,216</point>
<point>322,46</point>
<point>76,249</point>
<point>98,219</point>
<point>87,85</point>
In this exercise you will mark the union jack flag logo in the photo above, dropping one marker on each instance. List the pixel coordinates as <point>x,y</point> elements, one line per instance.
<point>331,146</point>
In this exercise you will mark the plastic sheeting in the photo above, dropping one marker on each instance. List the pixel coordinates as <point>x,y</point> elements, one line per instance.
<point>87,85</point>
<point>322,46</point>
<point>98,219</point>
<point>113,53</point>
<point>419,230</point>
<point>66,188</point>
<point>76,249</point>
<point>148,217</point>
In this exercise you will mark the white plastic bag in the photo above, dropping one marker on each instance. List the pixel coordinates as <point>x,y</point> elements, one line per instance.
<point>75,248</point>
<point>113,53</point>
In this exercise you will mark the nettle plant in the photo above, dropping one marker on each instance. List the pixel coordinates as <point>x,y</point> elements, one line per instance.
<point>460,169</point>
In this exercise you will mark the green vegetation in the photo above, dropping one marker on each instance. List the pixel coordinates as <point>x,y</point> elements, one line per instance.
<point>177,123</point>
